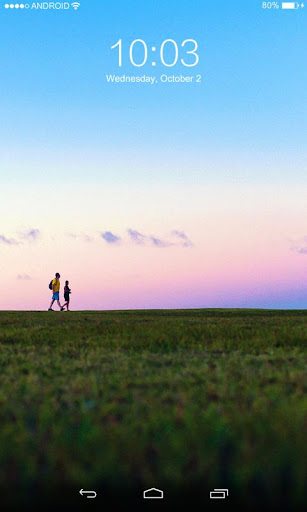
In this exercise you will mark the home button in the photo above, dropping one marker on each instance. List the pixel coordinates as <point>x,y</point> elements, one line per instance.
<point>153,493</point>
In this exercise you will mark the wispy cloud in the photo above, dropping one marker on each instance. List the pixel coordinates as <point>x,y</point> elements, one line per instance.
<point>157,242</point>
<point>24,277</point>
<point>150,240</point>
<point>80,236</point>
<point>8,241</point>
<point>185,241</point>
<point>30,235</point>
<point>300,246</point>
<point>110,238</point>
<point>137,237</point>
<point>176,238</point>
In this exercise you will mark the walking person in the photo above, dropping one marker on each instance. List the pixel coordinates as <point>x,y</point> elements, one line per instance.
<point>67,292</point>
<point>56,292</point>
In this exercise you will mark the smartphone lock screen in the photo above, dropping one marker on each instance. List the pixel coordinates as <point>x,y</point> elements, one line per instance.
<point>153,255</point>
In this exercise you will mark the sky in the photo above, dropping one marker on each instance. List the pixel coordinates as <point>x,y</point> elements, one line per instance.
<point>171,195</point>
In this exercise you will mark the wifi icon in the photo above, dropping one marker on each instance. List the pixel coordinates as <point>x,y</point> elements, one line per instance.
<point>75,5</point>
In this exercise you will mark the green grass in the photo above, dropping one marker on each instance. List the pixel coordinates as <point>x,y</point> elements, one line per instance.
<point>184,400</point>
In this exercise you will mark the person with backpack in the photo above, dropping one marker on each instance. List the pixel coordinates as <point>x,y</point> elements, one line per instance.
<point>54,285</point>
<point>67,292</point>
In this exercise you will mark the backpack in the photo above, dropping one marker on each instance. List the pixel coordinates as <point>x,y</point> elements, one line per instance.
<point>50,284</point>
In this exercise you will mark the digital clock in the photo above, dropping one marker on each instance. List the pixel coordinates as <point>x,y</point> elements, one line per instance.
<point>185,52</point>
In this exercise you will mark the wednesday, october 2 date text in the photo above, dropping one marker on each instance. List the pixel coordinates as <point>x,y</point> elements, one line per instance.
<point>152,79</point>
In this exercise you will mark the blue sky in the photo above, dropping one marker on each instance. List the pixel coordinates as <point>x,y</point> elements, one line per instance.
<point>246,122</point>
<point>84,163</point>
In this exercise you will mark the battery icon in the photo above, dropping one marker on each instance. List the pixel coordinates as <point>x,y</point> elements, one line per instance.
<point>290,5</point>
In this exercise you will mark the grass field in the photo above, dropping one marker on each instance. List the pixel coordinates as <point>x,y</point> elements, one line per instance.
<point>183,400</point>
